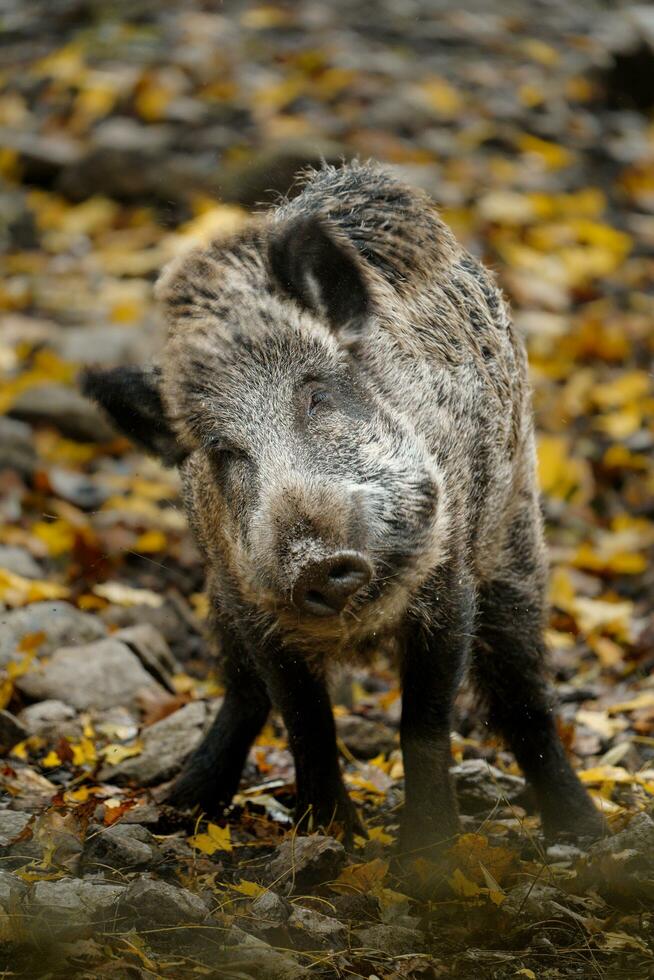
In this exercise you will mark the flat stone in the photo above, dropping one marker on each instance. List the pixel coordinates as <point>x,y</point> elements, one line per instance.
<point>263,961</point>
<point>147,902</point>
<point>73,906</point>
<point>272,908</point>
<point>637,836</point>
<point>310,929</point>
<point>51,720</point>
<point>480,786</point>
<point>306,861</point>
<point>65,408</point>
<point>11,731</point>
<point>534,902</point>
<point>152,650</point>
<point>364,738</point>
<point>61,624</point>
<point>17,450</point>
<point>12,889</point>
<point>121,847</point>
<point>19,561</point>
<point>12,824</point>
<point>166,744</point>
<point>392,940</point>
<point>97,675</point>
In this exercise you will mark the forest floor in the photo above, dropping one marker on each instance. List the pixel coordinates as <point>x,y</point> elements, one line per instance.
<point>130,131</point>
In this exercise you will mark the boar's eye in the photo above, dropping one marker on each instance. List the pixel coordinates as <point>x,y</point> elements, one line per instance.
<point>317,398</point>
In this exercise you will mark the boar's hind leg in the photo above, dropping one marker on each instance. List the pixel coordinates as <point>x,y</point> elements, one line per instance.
<point>433,664</point>
<point>211,775</point>
<point>300,693</point>
<point>508,669</point>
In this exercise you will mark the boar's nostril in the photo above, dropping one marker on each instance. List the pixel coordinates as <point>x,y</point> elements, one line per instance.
<point>324,587</point>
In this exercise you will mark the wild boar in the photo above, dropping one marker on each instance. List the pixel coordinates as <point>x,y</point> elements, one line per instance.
<point>347,401</point>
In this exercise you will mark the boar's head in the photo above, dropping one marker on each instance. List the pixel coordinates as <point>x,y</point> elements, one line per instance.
<point>308,494</point>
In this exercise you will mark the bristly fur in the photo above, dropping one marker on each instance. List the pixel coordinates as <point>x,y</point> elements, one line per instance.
<point>344,378</point>
<point>439,361</point>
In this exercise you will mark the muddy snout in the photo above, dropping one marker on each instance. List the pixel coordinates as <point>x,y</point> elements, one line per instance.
<point>324,586</point>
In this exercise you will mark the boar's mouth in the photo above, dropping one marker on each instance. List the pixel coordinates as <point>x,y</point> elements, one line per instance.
<point>324,587</point>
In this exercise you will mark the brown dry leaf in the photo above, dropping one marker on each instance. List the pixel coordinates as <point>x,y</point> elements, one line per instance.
<point>365,878</point>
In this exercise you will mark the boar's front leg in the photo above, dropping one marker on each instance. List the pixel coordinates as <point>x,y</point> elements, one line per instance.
<point>508,669</point>
<point>434,661</point>
<point>299,691</point>
<point>211,775</point>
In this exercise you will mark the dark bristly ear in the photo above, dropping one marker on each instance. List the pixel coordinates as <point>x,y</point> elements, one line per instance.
<point>131,398</point>
<point>319,270</point>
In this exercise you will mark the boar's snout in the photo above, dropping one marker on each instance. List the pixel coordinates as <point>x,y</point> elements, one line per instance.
<point>323,587</point>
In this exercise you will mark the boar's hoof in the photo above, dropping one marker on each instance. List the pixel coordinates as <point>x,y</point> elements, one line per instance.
<point>324,587</point>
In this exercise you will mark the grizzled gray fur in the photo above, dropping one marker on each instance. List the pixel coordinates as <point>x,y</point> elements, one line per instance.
<point>347,400</point>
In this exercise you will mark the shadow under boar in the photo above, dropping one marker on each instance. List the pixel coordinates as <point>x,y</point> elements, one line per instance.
<point>346,399</point>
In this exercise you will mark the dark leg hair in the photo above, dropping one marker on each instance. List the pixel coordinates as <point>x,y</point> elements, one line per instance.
<point>299,691</point>
<point>211,775</point>
<point>508,671</point>
<point>433,665</point>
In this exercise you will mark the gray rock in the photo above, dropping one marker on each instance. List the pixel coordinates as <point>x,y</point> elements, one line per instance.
<point>481,786</point>
<point>147,902</point>
<point>302,862</point>
<point>637,836</point>
<point>73,907</point>
<point>16,853</point>
<point>392,940</point>
<point>97,675</point>
<point>534,902</point>
<point>12,890</point>
<point>364,738</point>
<point>271,909</point>
<point>16,447</point>
<point>77,488</point>
<point>311,929</point>
<point>121,847</point>
<point>64,407</point>
<point>51,720</point>
<point>106,345</point>
<point>19,561</point>
<point>152,650</point>
<point>12,824</point>
<point>11,731</point>
<point>62,624</point>
<point>165,746</point>
<point>247,956</point>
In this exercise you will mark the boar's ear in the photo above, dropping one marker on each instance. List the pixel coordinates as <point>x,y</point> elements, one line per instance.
<point>321,271</point>
<point>131,398</point>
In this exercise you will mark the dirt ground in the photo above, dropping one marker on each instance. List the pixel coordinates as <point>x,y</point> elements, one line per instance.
<point>132,131</point>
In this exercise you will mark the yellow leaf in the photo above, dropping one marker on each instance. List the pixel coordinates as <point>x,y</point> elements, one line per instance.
<point>18,591</point>
<point>462,886</point>
<point>628,387</point>
<point>83,752</point>
<point>553,155</point>
<point>51,760</point>
<point>525,972</point>
<point>151,542</point>
<point>643,700</point>
<point>380,835</point>
<point>364,878</point>
<point>560,474</point>
<point>442,97</point>
<point>113,754</point>
<point>58,536</point>
<point>249,888</point>
<point>215,839</point>
<point>126,595</point>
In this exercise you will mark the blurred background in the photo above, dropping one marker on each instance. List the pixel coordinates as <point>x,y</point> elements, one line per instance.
<point>130,131</point>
